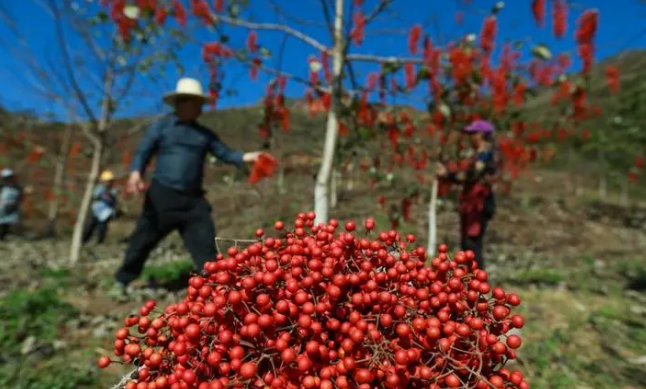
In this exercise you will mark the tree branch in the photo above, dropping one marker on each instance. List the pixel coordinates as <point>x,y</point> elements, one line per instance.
<point>124,380</point>
<point>215,18</point>
<point>139,127</point>
<point>383,4</point>
<point>379,59</point>
<point>60,37</point>
<point>346,49</point>
<point>281,12</point>
<point>327,16</point>
<point>82,30</point>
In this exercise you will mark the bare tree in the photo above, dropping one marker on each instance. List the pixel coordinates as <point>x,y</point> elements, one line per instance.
<point>93,78</point>
<point>59,178</point>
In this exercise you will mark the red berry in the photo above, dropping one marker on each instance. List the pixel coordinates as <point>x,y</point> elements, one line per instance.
<point>514,341</point>
<point>248,370</point>
<point>103,362</point>
<point>320,302</point>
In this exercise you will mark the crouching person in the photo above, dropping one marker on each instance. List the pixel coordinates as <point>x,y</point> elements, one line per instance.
<point>104,208</point>
<point>10,198</point>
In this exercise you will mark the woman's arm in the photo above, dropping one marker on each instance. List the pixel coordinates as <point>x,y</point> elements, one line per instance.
<point>479,169</point>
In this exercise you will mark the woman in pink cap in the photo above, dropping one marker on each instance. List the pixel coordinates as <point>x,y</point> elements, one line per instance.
<point>477,204</point>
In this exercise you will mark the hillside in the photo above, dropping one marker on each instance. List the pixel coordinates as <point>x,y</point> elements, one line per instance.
<point>575,263</point>
<point>616,134</point>
<point>576,260</point>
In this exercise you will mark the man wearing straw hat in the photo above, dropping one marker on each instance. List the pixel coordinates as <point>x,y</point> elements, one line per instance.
<point>10,196</point>
<point>104,208</point>
<point>175,199</point>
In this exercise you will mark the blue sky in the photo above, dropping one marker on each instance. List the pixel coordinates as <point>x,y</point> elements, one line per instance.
<point>620,28</point>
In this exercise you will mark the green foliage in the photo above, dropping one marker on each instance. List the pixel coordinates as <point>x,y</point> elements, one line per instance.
<point>168,272</point>
<point>633,271</point>
<point>26,313</point>
<point>39,315</point>
<point>539,276</point>
<point>545,358</point>
<point>56,277</point>
<point>55,374</point>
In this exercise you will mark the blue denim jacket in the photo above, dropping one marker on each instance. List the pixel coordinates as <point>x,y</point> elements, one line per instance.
<point>10,197</point>
<point>181,150</point>
<point>105,203</point>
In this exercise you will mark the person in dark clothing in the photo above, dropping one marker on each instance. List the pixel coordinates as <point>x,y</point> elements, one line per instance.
<point>104,208</point>
<point>175,199</point>
<point>10,198</point>
<point>477,203</point>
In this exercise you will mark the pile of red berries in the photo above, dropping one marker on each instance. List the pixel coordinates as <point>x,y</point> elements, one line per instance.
<point>321,308</point>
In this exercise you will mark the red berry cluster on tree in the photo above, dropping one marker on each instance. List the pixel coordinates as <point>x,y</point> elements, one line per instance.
<point>462,81</point>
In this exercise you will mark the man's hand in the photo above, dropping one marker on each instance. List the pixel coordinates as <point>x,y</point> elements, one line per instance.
<point>440,170</point>
<point>251,156</point>
<point>135,183</point>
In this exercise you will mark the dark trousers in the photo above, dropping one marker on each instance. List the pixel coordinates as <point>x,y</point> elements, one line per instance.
<point>166,210</point>
<point>4,230</point>
<point>474,243</point>
<point>94,224</point>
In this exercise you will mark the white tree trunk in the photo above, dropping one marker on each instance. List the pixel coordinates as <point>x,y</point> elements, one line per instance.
<point>349,182</point>
<point>81,217</point>
<point>98,139</point>
<point>570,170</point>
<point>432,219</point>
<point>321,187</point>
<point>625,192</point>
<point>603,181</point>
<point>603,185</point>
<point>59,178</point>
<point>334,189</point>
<point>280,180</point>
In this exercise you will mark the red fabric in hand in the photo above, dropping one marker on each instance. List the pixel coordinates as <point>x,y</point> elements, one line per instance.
<point>472,207</point>
<point>265,166</point>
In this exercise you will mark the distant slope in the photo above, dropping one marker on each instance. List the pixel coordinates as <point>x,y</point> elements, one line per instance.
<point>619,133</point>
<point>620,140</point>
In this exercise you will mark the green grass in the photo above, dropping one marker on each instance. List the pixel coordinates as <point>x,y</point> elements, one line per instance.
<point>37,313</point>
<point>577,340</point>
<point>40,316</point>
<point>546,360</point>
<point>541,276</point>
<point>55,277</point>
<point>536,276</point>
<point>57,373</point>
<point>634,271</point>
<point>169,271</point>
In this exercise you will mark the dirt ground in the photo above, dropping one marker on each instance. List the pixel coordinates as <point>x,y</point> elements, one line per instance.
<point>576,261</point>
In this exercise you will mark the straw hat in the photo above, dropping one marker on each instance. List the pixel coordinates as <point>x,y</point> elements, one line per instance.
<point>107,175</point>
<point>186,87</point>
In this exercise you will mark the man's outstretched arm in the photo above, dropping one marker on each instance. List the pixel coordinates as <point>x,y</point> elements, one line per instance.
<point>228,155</point>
